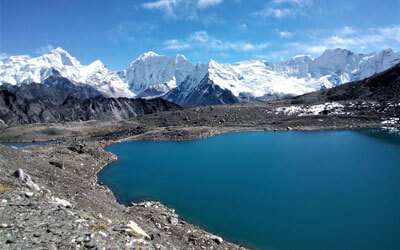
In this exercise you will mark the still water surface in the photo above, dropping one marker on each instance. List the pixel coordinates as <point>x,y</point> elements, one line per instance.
<point>283,190</point>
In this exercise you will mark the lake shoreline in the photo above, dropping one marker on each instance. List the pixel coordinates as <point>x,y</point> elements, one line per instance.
<point>149,142</point>
<point>69,165</point>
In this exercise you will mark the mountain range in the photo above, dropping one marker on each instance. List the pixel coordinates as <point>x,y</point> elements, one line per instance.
<point>178,80</point>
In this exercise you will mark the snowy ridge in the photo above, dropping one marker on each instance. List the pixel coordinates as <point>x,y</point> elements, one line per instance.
<point>158,74</point>
<point>151,74</point>
<point>338,66</point>
<point>256,79</point>
<point>17,70</point>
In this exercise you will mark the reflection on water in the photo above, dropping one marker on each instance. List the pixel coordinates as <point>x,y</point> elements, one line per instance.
<point>386,135</point>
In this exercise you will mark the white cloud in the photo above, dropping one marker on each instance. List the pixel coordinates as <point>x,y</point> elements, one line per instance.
<point>201,39</point>
<point>44,49</point>
<point>176,45</point>
<point>130,31</point>
<point>3,56</point>
<point>392,32</point>
<point>203,4</point>
<point>181,9</point>
<point>243,27</point>
<point>275,12</point>
<point>365,40</point>
<point>167,6</point>
<point>294,2</point>
<point>285,34</point>
<point>284,8</point>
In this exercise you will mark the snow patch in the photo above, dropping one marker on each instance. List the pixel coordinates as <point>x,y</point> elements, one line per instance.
<point>329,108</point>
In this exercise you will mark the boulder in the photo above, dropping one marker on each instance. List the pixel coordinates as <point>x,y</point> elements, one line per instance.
<point>133,229</point>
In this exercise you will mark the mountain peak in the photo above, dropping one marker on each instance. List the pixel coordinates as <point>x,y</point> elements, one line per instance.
<point>180,57</point>
<point>97,64</point>
<point>212,62</point>
<point>301,57</point>
<point>58,50</point>
<point>337,51</point>
<point>146,55</point>
<point>62,56</point>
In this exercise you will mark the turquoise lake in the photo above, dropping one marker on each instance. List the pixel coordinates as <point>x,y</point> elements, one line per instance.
<point>327,190</point>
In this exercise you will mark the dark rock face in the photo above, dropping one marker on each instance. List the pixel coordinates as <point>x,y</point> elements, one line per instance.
<point>206,93</point>
<point>55,89</point>
<point>59,100</point>
<point>383,87</point>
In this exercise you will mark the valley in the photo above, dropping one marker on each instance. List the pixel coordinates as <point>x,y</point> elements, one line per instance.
<point>45,182</point>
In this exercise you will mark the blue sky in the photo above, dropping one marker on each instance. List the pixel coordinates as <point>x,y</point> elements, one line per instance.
<point>116,32</point>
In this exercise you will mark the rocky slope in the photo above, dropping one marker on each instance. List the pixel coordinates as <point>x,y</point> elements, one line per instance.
<point>38,104</point>
<point>50,199</point>
<point>55,90</point>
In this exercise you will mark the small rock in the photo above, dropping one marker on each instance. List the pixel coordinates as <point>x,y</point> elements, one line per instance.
<point>9,241</point>
<point>19,173</point>
<point>87,238</point>
<point>217,239</point>
<point>33,186</point>
<point>192,239</point>
<point>103,234</point>
<point>57,164</point>
<point>26,179</point>
<point>60,202</point>
<point>90,244</point>
<point>3,225</point>
<point>135,230</point>
<point>29,194</point>
<point>173,220</point>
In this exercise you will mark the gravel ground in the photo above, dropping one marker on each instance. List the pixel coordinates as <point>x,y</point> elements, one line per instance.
<point>50,197</point>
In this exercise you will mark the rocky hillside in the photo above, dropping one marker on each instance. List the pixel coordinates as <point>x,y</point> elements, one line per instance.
<point>50,199</point>
<point>39,103</point>
<point>54,90</point>
<point>382,87</point>
<point>202,94</point>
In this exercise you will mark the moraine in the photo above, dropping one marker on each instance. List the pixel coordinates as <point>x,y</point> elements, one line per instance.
<point>282,190</point>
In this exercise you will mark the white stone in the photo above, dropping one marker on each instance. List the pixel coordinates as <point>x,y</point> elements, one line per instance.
<point>217,239</point>
<point>135,230</point>
<point>29,194</point>
<point>60,202</point>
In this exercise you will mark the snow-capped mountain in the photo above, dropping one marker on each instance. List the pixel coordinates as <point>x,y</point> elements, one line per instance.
<point>338,66</point>
<point>180,81</point>
<point>17,70</point>
<point>153,75</point>
<point>254,79</point>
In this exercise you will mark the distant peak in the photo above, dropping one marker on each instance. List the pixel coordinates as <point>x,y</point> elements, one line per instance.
<point>337,51</point>
<point>97,63</point>
<point>146,55</point>
<point>180,56</point>
<point>59,50</point>
<point>388,51</point>
<point>212,62</point>
<point>63,56</point>
<point>301,56</point>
